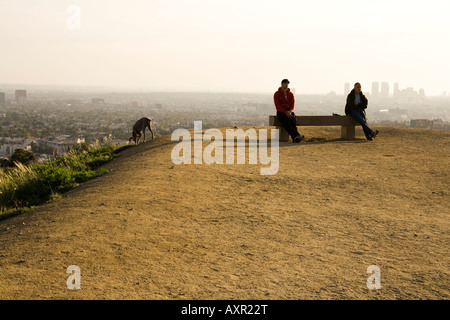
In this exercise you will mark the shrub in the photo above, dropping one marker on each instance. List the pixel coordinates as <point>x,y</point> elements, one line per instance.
<point>24,186</point>
<point>23,156</point>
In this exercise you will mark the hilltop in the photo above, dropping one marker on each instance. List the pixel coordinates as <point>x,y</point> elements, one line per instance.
<point>150,229</point>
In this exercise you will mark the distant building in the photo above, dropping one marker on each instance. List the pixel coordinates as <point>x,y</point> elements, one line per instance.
<point>2,98</point>
<point>331,94</point>
<point>438,124</point>
<point>8,146</point>
<point>396,90</point>
<point>21,96</point>
<point>61,144</point>
<point>375,89</point>
<point>421,123</point>
<point>422,93</point>
<point>409,94</point>
<point>384,90</point>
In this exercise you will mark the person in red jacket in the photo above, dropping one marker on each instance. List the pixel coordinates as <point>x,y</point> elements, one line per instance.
<point>284,103</point>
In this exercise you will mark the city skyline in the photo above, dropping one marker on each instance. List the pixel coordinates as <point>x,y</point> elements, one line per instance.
<point>223,46</point>
<point>390,90</point>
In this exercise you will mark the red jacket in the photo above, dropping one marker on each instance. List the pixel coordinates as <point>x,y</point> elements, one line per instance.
<point>280,100</point>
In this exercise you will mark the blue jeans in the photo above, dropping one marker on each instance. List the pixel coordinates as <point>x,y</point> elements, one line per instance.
<point>360,116</point>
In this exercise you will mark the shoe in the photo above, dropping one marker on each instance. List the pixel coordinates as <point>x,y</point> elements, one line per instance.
<point>374,133</point>
<point>299,138</point>
<point>369,138</point>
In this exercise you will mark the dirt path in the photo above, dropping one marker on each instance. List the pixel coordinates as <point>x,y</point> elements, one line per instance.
<point>154,230</point>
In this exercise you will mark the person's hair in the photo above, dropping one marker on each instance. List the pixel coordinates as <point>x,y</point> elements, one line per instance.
<point>285,81</point>
<point>356,84</point>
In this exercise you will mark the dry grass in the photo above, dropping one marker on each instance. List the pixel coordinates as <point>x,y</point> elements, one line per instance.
<point>153,230</point>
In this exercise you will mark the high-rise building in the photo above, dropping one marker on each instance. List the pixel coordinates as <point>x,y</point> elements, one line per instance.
<point>2,98</point>
<point>409,93</point>
<point>21,96</point>
<point>375,89</point>
<point>422,92</point>
<point>346,89</point>
<point>384,90</point>
<point>396,90</point>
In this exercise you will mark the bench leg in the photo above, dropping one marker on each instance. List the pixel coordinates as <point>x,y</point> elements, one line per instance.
<point>348,132</point>
<point>284,135</point>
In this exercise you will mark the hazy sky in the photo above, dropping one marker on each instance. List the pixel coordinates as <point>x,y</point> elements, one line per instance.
<point>227,45</point>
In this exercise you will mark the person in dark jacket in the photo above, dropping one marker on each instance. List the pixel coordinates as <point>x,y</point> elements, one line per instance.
<point>356,106</point>
<point>284,103</point>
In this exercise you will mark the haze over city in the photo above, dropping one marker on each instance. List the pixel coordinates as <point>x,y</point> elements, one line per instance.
<point>239,46</point>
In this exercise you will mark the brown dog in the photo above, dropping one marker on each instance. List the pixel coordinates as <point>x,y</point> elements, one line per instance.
<point>139,129</point>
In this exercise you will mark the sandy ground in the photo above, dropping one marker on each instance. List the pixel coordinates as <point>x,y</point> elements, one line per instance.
<point>154,230</point>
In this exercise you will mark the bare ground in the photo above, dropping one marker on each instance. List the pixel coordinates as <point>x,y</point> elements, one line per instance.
<point>154,230</point>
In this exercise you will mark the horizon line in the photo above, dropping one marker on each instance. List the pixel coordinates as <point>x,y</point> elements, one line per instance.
<point>148,90</point>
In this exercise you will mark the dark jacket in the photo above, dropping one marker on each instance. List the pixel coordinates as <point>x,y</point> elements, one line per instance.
<point>350,105</point>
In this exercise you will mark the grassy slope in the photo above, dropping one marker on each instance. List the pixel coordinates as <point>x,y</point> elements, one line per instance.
<point>24,187</point>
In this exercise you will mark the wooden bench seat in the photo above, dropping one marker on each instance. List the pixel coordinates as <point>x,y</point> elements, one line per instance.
<point>346,123</point>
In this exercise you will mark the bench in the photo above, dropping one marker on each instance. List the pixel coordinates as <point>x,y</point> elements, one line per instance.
<point>347,124</point>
